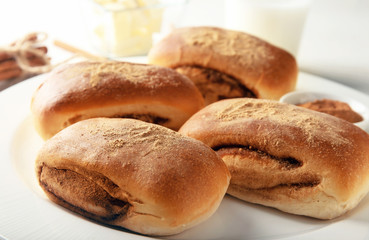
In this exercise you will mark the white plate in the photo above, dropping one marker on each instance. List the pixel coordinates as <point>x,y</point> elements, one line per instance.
<point>25,212</point>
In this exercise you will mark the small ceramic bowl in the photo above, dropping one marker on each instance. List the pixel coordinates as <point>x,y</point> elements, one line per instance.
<point>298,97</point>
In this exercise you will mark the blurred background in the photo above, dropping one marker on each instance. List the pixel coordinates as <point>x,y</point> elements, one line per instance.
<point>334,44</point>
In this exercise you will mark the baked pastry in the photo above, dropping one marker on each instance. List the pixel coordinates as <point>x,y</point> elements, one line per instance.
<point>78,91</point>
<point>227,64</point>
<point>132,174</point>
<point>287,157</point>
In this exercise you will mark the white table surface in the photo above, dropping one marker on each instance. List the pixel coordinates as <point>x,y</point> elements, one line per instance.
<point>335,43</point>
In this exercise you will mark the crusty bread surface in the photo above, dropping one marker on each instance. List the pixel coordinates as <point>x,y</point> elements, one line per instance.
<point>132,174</point>
<point>77,91</point>
<point>256,65</point>
<point>287,157</point>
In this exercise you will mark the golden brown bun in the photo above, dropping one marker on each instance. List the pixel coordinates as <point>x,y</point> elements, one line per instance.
<point>269,72</point>
<point>78,91</point>
<point>133,174</point>
<point>279,155</point>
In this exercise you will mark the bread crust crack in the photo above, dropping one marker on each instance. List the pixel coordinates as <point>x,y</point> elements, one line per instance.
<point>285,163</point>
<point>215,85</point>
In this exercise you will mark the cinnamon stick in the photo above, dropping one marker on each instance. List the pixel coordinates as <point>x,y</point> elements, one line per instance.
<point>10,69</point>
<point>7,64</point>
<point>11,63</point>
<point>5,56</point>
<point>24,57</point>
<point>10,73</point>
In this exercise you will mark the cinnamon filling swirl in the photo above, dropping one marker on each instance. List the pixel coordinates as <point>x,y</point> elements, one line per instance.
<point>82,194</point>
<point>255,170</point>
<point>215,85</point>
<point>285,163</point>
<point>149,118</point>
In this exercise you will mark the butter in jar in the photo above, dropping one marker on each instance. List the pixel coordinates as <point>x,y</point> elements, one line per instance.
<point>121,28</point>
